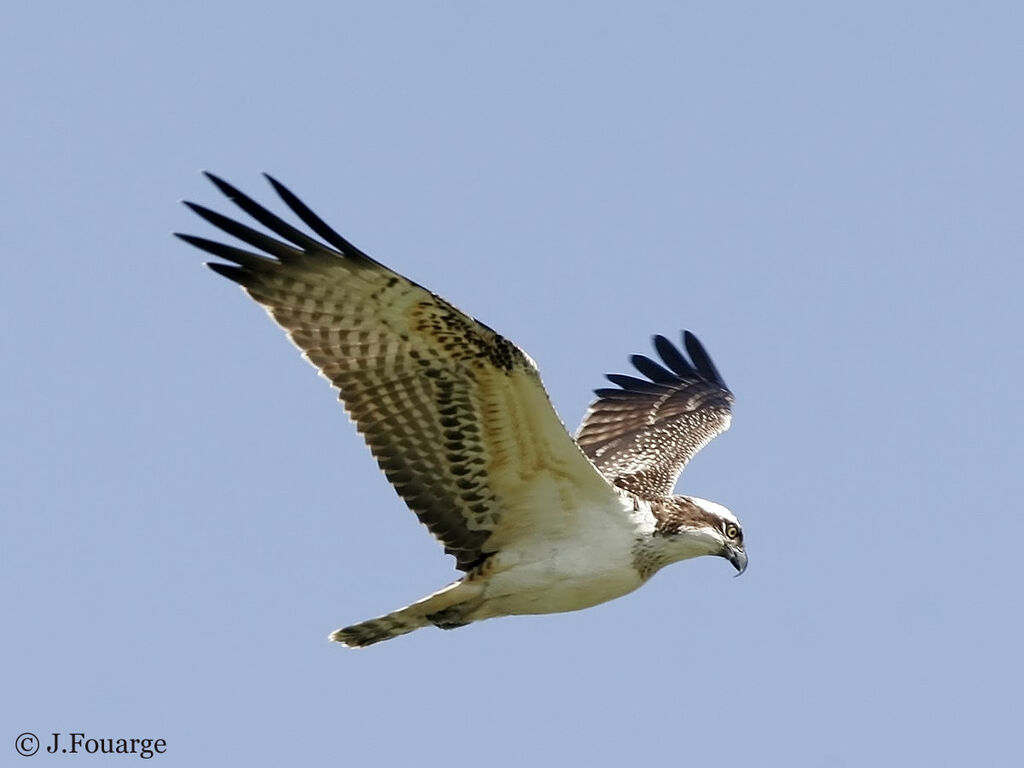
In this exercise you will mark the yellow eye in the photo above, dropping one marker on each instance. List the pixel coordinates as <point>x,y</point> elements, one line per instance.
<point>731,531</point>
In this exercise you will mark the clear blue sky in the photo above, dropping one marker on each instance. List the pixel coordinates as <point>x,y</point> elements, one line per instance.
<point>829,195</point>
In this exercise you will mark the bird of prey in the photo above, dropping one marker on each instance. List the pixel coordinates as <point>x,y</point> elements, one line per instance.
<point>458,420</point>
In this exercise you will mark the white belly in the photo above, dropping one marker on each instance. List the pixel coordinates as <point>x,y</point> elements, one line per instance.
<point>555,578</point>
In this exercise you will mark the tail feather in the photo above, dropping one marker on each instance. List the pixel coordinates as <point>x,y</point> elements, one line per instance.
<point>447,609</point>
<point>382,628</point>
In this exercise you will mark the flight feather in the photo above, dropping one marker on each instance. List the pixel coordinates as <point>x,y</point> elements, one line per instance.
<point>642,433</point>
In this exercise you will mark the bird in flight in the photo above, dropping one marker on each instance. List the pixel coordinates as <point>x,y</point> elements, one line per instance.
<point>457,417</point>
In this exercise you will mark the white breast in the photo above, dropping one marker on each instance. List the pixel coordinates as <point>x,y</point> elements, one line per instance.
<point>585,566</point>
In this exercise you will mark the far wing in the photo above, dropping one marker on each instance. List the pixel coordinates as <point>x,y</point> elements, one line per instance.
<point>642,434</point>
<point>455,414</point>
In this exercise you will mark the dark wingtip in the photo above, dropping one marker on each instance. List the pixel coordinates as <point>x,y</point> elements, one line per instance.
<point>227,189</point>
<point>634,384</point>
<point>675,367</point>
<point>196,208</point>
<point>282,191</point>
<point>652,370</point>
<point>674,358</point>
<point>192,240</point>
<point>314,222</point>
<point>702,360</point>
<point>231,272</point>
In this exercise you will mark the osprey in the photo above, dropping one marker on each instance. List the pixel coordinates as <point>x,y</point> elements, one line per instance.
<point>458,420</point>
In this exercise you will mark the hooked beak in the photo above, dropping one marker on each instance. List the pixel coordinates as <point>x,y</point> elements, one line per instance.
<point>738,557</point>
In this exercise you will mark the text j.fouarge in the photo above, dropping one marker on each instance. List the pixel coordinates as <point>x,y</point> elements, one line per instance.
<point>78,743</point>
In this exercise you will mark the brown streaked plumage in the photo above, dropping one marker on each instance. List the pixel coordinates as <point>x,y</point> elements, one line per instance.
<point>643,434</point>
<point>459,421</point>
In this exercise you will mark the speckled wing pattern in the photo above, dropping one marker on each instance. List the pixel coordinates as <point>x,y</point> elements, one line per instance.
<point>455,414</point>
<point>642,434</point>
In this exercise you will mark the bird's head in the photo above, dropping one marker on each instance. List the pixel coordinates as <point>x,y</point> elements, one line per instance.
<point>701,527</point>
<point>727,533</point>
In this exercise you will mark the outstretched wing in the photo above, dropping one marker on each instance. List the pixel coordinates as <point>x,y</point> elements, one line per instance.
<point>642,435</point>
<point>455,415</point>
